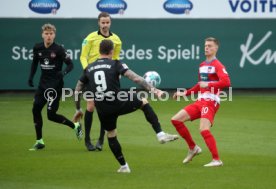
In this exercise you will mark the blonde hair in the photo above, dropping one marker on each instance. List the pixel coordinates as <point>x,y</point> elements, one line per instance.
<point>48,26</point>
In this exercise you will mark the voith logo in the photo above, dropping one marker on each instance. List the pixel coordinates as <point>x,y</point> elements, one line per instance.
<point>255,6</point>
<point>44,6</point>
<point>112,6</point>
<point>178,6</point>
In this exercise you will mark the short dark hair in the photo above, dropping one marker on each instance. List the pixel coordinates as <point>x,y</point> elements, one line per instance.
<point>106,46</point>
<point>212,39</point>
<point>103,14</point>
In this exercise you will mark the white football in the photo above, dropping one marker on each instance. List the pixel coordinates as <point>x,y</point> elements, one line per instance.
<point>153,78</point>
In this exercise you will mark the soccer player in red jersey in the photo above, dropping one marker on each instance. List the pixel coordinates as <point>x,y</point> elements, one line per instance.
<point>212,78</point>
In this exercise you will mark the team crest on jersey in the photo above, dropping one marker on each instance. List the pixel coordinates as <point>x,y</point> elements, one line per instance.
<point>46,61</point>
<point>39,54</point>
<point>53,55</point>
<point>209,69</point>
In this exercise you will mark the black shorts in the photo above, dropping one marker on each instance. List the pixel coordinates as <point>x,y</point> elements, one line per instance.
<point>49,96</point>
<point>109,112</point>
<point>87,93</point>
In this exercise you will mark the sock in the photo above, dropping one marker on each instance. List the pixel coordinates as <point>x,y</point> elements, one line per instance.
<point>53,116</point>
<point>211,143</point>
<point>102,133</point>
<point>88,118</point>
<point>151,118</point>
<point>116,150</point>
<point>184,132</point>
<point>38,122</point>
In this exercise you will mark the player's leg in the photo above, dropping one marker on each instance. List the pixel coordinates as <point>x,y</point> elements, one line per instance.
<point>152,118</point>
<point>109,123</point>
<point>116,149</point>
<point>100,142</point>
<point>207,116</point>
<point>88,119</point>
<point>52,109</point>
<point>191,112</point>
<point>38,104</point>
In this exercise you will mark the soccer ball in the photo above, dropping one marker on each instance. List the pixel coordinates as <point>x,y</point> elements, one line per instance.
<point>153,78</point>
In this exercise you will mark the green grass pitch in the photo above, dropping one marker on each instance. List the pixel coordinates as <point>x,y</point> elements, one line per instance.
<point>245,130</point>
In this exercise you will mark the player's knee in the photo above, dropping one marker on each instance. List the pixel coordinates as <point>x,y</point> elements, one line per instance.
<point>90,106</point>
<point>176,123</point>
<point>51,115</point>
<point>36,109</point>
<point>111,134</point>
<point>145,101</point>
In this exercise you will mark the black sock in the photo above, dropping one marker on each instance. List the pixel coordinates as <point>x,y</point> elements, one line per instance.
<point>38,129</point>
<point>38,122</point>
<point>116,150</point>
<point>102,133</point>
<point>53,116</point>
<point>88,118</point>
<point>152,118</point>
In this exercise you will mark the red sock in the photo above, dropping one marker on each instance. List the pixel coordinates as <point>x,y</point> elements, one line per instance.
<point>211,143</point>
<point>184,132</point>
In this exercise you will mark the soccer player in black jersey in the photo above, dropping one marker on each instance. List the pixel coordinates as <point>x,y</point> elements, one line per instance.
<point>50,56</point>
<point>89,54</point>
<point>103,78</point>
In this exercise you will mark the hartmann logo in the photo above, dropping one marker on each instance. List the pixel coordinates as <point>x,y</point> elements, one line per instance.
<point>255,6</point>
<point>112,6</point>
<point>178,6</point>
<point>44,6</point>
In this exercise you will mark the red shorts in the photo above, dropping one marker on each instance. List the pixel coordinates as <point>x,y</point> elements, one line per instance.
<point>203,108</point>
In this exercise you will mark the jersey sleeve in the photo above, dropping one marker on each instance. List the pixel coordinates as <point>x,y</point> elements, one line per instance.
<point>117,49</point>
<point>84,79</point>
<point>121,67</point>
<point>67,60</point>
<point>224,80</point>
<point>34,64</point>
<point>194,89</point>
<point>86,46</point>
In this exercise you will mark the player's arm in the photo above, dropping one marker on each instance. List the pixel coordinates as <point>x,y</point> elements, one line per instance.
<point>79,114</point>
<point>85,49</point>
<point>33,68</point>
<point>69,64</point>
<point>117,50</point>
<point>78,90</point>
<point>142,82</point>
<point>224,80</point>
<point>193,90</point>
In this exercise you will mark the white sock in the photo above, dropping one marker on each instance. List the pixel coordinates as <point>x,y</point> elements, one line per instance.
<point>160,134</point>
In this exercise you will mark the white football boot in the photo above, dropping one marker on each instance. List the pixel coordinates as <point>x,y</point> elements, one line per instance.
<point>214,163</point>
<point>124,169</point>
<point>166,137</point>
<point>192,153</point>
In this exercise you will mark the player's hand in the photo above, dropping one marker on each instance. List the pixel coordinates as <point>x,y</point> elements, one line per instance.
<point>158,92</point>
<point>30,83</point>
<point>78,116</point>
<point>203,84</point>
<point>178,94</point>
